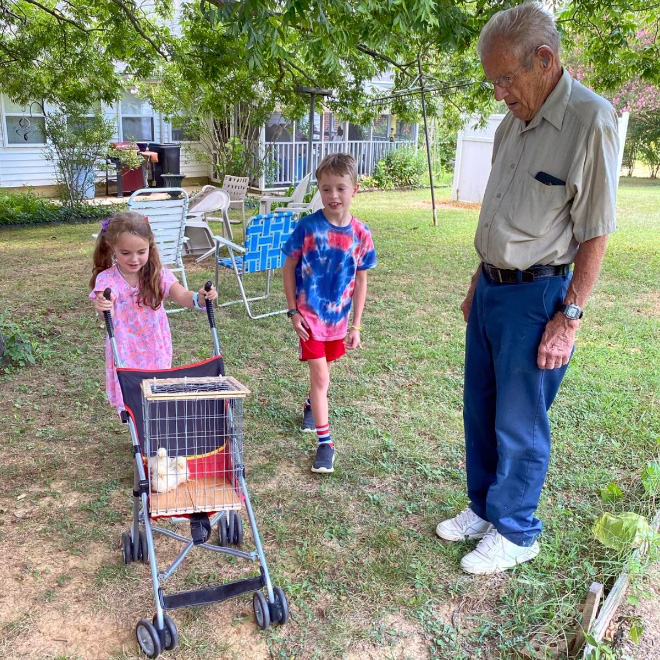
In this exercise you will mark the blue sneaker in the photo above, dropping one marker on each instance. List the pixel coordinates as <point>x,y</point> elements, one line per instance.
<point>308,425</point>
<point>325,458</point>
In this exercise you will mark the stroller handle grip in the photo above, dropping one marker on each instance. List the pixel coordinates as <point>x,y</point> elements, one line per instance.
<point>108,316</point>
<point>209,305</point>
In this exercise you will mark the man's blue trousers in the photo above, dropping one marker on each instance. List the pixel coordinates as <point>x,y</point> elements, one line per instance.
<point>506,399</point>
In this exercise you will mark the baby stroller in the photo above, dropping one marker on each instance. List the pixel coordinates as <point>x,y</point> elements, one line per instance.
<point>186,428</point>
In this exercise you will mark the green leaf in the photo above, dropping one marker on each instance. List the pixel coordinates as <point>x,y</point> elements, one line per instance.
<point>621,532</point>
<point>636,631</point>
<point>611,493</point>
<point>651,479</point>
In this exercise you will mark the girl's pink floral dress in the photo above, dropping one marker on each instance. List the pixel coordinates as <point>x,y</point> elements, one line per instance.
<point>142,334</point>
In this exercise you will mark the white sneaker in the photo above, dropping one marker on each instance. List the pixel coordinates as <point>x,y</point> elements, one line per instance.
<point>466,525</point>
<point>495,554</point>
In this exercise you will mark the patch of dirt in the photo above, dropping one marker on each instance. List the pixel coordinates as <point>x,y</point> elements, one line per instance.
<point>648,610</point>
<point>448,203</point>
<point>407,640</point>
<point>51,606</point>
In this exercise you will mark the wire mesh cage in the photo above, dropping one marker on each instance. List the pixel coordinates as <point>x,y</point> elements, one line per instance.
<point>193,443</point>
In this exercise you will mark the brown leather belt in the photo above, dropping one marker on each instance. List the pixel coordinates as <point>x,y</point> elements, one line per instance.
<point>505,276</point>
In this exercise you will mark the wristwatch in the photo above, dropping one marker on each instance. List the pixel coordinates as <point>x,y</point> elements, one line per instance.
<point>292,312</point>
<point>572,312</point>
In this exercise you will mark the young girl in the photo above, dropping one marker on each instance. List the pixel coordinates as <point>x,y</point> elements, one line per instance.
<point>126,260</point>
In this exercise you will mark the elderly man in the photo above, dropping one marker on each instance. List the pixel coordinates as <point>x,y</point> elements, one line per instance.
<point>549,203</point>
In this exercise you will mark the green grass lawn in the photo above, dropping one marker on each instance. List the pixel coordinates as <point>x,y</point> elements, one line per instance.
<point>355,551</point>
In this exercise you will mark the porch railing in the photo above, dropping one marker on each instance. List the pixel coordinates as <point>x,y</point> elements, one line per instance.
<point>286,162</point>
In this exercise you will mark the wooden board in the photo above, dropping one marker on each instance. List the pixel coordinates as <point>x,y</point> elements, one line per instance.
<point>204,494</point>
<point>234,389</point>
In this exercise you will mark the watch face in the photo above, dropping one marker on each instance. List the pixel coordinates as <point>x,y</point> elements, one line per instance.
<point>572,312</point>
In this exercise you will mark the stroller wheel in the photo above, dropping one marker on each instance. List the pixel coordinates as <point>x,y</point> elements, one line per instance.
<point>143,547</point>
<point>127,548</point>
<point>171,635</point>
<point>222,533</point>
<point>260,607</point>
<point>237,533</point>
<point>148,639</point>
<point>279,610</point>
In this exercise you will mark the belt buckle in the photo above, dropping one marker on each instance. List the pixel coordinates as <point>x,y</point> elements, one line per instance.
<point>526,276</point>
<point>499,275</point>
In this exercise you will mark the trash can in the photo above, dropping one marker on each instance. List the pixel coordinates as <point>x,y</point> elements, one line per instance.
<point>169,160</point>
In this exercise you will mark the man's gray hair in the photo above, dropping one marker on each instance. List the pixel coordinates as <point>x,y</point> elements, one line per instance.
<point>523,28</point>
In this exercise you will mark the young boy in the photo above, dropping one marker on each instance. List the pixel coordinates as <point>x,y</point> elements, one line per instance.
<point>327,258</point>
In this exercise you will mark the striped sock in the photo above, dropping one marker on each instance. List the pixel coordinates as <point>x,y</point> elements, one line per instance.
<point>323,434</point>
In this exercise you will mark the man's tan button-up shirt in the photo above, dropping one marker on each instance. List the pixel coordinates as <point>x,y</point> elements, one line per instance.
<point>573,138</point>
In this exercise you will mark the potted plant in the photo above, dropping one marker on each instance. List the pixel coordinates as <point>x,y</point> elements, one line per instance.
<point>126,158</point>
<point>131,169</point>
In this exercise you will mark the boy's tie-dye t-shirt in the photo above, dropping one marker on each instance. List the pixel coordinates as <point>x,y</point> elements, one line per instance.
<point>328,258</point>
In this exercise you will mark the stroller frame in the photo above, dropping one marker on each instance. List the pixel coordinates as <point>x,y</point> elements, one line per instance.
<point>138,544</point>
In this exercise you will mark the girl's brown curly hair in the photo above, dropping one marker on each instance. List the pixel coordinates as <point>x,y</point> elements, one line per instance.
<point>149,289</point>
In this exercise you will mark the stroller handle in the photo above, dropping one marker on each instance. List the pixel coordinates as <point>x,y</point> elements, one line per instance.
<point>108,316</point>
<point>209,306</point>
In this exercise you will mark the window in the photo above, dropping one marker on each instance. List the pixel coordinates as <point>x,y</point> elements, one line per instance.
<point>278,129</point>
<point>405,131</point>
<point>380,128</point>
<point>25,124</point>
<point>137,119</point>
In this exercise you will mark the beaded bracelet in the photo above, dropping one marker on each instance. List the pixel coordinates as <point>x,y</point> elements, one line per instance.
<point>356,327</point>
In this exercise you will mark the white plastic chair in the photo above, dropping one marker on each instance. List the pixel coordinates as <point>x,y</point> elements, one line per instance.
<point>296,198</point>
<point>166,209</point>
<point>199,235</point>
<point>236,187</point>
<point>315,204</point>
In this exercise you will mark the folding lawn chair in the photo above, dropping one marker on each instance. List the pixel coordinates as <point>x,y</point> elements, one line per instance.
<point>262,252</point>
<point>166,209</point>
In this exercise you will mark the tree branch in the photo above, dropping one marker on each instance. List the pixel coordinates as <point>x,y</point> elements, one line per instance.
<point>368,51</point>
<point>136,24</point>
<point>58,16</point>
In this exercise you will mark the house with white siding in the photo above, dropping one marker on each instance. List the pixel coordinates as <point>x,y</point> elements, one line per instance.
<point>284,144</point>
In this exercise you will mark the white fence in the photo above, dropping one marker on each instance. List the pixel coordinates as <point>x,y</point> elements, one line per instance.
<point>286,162</point>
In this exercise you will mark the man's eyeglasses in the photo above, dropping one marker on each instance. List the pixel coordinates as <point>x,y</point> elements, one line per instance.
<point>504,82</point>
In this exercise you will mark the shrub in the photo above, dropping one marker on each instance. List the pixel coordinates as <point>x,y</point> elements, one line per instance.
<point>15,347</point>
<point>400,167</point>
<point>26,208</point>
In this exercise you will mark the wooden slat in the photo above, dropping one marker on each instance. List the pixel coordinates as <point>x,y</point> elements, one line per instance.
<point>203,494</point>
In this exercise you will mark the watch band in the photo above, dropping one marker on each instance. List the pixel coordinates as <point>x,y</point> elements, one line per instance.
<point>572,312</point>
<point>292,312</point>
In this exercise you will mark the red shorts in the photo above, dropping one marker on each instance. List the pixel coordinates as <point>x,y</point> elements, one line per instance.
<point>313,349</point>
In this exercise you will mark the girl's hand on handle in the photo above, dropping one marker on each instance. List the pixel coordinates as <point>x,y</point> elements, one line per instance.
<point>300,326</point>
<point>205,295</point>
<point>101,304</point>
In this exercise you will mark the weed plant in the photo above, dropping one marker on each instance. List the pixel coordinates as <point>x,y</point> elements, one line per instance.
<point>355,551</point>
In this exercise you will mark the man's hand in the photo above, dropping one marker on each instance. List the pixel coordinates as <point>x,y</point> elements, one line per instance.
<point>557,342</point>
<point>466,305</point>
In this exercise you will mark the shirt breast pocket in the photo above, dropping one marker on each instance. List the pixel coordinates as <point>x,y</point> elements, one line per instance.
<point>537,206</point>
